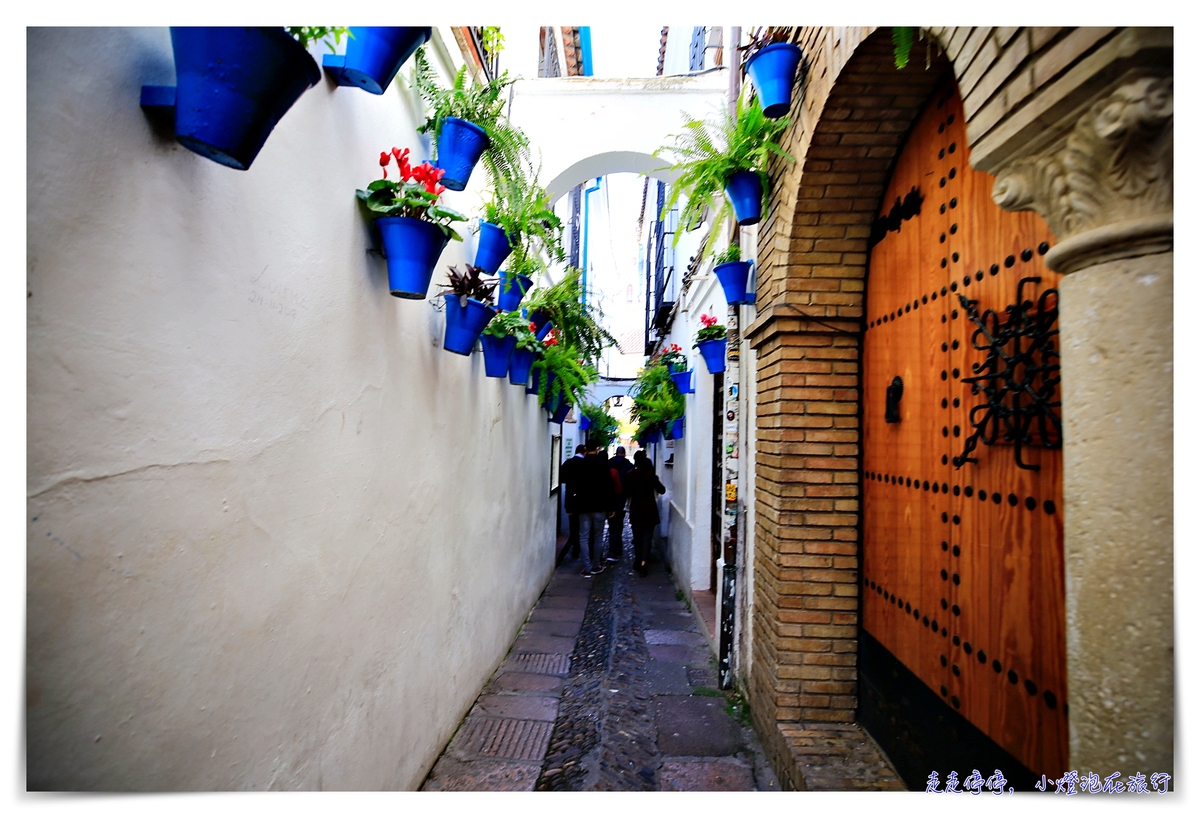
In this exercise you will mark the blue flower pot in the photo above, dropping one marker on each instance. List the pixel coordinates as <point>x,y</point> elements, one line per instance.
<point>585,423</point>
<point>535,383</point>
<point>683,381</point>
<point>232,85</point>
<point>493,248</point>
<point>519,365</point>
<point>373,56</point>
<point>465,323</point>
<point>542,323</point>
<point>773,72</point>
<point>714,355</point>
<point>412,247</point>
<point>745,191</point>
<point>512,290</point>
<point>496,354</point>
<point>733,277</point>
<point>653,436</point>
<point>459,147</point>
<point>675,430</point>
<point>554,397</point>
<point>560,413</point>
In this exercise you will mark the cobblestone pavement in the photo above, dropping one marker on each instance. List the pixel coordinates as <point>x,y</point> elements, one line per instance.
<point>609,686</point>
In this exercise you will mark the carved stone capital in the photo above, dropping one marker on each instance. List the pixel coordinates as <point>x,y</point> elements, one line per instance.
<point>1105,190</point>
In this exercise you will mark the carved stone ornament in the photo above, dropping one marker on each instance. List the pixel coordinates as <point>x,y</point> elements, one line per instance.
<point>1106,191</point>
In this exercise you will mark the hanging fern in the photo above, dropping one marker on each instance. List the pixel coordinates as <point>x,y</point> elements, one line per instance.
<point>902,43</point>
<point>483,104</point>
<point>577,323</point>
<point>707,153</point>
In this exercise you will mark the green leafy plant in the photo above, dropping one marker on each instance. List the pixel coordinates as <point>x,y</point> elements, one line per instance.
<point>521,208</point>
<point>572,375</point>
<point>470,284</point>
<point>493,40</point>
<point>711,331</point>
<point>306,35</point>
<point>512,323</point>
<point>707,153</point>
<point>902,43</point>
<point>481,104</point>
<point>729,254</point>
<point>656,401</point>
<point>604,426</point>
<point>414,194</point>
<point>576,322</point>
<point>673,357</point>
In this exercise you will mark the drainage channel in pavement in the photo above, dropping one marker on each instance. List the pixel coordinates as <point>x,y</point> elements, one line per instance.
<point>610,686</point>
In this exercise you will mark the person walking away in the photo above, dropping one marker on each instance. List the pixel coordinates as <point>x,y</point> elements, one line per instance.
<point>641,487</point>
<point>567,476</point>
<point>616,524</point>
<point>595,498</point>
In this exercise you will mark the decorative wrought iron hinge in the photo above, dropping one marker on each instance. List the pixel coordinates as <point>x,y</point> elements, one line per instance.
<point>1019,377</point>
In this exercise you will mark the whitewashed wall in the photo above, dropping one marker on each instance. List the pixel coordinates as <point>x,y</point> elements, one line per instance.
<point>277,537</point>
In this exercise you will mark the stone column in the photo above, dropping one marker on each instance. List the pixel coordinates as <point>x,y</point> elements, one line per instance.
<point>1105,189</point>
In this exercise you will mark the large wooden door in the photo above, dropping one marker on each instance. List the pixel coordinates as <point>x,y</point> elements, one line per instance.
<point>962,566</point>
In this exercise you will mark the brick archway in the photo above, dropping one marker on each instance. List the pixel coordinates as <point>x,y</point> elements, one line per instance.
<point>813,255</point>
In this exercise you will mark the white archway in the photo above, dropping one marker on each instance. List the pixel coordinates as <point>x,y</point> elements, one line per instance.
<point>583,127</point>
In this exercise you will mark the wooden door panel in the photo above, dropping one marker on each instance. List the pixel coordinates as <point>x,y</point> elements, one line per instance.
<point>993,528</point>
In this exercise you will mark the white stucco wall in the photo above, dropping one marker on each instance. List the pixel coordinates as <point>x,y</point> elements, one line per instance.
<point>277,537</point>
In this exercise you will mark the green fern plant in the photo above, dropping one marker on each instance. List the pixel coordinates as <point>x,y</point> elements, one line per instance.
<point>577,323</point>
<point>730,254</point>
<point>656,401</point>
<point>572,375</point>
<point>707,153</point>
<point>604,426</point>
<point>306,35</point>
<point>481,104</point>
<point>902,43</point>
<point>521,208</point>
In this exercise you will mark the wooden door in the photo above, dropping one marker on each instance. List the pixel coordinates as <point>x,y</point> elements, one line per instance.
<point>962,566</point>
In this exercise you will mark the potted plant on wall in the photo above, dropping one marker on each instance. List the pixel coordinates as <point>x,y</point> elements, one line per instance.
<point>519,220</point>
<point>563,377</point>
<point>562,305</point>
<point>729,155</point>
<point>468,119</point>
<point>599,423</point>
<point>657,404</point>
<point>771,62</point>
<point>527,349</point>
<point>374,54</point>
<point>468,308</point>
<point>413,226</point>
<point>711,341</point>
<point>499,340</point>
<point>233,84</point>
<point>673,357</point>
<point>733,273</point>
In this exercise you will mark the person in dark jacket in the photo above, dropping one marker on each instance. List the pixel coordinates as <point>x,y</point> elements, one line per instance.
<point>595,500</point>
<point>642,487</point>
<point>566,476</point>
<point>616,524</point>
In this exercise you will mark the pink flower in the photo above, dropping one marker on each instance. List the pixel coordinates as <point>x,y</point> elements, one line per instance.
<point>708,320</point>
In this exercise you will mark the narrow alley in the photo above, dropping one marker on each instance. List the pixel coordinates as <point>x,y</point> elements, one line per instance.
<point>609,686</point>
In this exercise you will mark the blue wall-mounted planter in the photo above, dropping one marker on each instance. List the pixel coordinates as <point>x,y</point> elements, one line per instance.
<point>542,323</point>
<point>745,192</point>
<point>560,413</point>
<point>714,355</point>
<point>733,277</point>
<point>459,147</point>
<point>512,290</point>
<point>773,71</point>
<point>585,423</point>
<point>412,247</point>
<point>232,85</point>
<point>493,248</point>
<point>535,381</point>
<point>373,56</point>
<point>465,323</point>
<point>653,436</point>
<point>683,381</point>
<point>519,365</point>
<point>496,354</point>
<point>675,429</point>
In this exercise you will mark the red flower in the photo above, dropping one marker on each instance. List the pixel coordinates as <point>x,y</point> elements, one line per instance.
<point>384,159</point>
<point>552,338</point>
<point>532,327</point>
<point>708,320</point>
<point>402,161</point>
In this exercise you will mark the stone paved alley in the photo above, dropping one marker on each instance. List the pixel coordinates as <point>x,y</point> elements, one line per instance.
<point>609,686</point>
